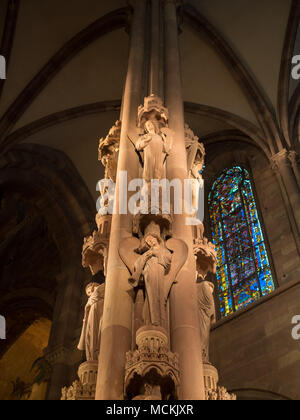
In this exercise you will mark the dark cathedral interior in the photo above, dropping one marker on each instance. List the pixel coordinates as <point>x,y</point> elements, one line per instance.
<point>68,72</point>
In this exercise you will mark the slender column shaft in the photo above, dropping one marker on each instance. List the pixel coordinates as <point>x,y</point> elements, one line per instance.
<point>117,316</point>
<point>156,59</point>
<point>185,337</point>
<point>290,191</point>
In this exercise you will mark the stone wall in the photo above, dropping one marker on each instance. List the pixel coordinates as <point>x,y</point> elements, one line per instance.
<point>254,349</point>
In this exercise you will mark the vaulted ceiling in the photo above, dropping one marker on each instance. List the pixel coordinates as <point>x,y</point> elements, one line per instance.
<point>67,65</point>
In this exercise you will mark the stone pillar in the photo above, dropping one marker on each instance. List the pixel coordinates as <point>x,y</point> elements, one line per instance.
<point>282,166</point>
<point>185,337</point>
<point>117,318</point>
<point>294,159</point>
<point>156,60</point>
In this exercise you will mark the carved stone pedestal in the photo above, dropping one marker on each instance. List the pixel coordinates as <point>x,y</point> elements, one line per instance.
<point>213,392</point>
<point>85,388</point>
<point>152,371</point>
<point>211,377</point>
<point>87,373</point>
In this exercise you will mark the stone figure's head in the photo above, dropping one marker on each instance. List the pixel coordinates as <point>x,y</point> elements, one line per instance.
<point>150,127</point>
<point>151,241</point>
<point>90,288</point>
<point>152,237</point>
<point>152,234</point>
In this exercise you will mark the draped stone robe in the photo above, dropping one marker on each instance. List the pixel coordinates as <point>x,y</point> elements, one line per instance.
<point>155,150</point>
<point>207,314</point>
<point>151,268</point>
<point>91,331</point>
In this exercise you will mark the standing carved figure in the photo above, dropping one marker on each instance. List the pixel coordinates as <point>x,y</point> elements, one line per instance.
<point>150,269</point>
<point>156,147</point>
<point>195,164</point>
<point>154,265</point>
<point>91,330</point>
<point>207,314</point>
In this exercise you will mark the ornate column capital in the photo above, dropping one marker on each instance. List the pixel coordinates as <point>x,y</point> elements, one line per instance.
<point>293,157</point>
<point>280,159</point>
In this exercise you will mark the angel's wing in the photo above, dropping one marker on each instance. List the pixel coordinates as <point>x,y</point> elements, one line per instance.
<point>180,253</point>
<point>127,254</point>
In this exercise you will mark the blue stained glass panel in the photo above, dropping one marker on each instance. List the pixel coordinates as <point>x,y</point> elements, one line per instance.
<point>243,269</point>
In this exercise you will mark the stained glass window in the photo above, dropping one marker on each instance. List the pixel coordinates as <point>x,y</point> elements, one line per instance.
<point>243,269</point>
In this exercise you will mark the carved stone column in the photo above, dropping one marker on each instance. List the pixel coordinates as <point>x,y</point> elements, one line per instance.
<point>282,166</point>
<point>156,62</point>
<point>185,339</point>
<point>116,335</point>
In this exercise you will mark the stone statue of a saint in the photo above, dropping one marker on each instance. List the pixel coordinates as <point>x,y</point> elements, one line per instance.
<point>195,164</point>
<point>91,330</point>
<point>154,264</point>
<point>156,145</point>
<point>207,314</point>
<point>150,270</point>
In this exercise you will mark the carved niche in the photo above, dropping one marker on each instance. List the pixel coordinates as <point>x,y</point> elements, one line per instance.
<point>152,371</point>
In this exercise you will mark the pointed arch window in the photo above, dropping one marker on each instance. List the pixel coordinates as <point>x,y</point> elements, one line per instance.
<point>243,270</point>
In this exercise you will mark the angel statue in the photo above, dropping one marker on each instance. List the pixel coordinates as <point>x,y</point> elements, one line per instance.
<point>91,330</point>
<point>154,265</point>
<point>156,145</point>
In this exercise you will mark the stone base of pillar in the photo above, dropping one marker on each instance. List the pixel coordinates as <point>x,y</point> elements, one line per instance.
<point>152,371</point>
<point>85,388</point>
<point>211,377</point>
<point>213,392</point>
